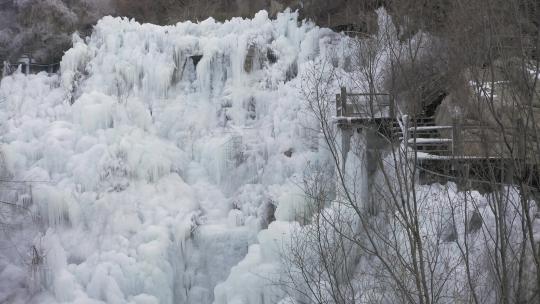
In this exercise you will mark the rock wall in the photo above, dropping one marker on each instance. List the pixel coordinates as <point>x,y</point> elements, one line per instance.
<point>44,27</point>
<point>342,14</point>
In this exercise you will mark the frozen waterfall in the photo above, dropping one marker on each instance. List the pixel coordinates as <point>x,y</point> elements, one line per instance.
<point>154,158</point>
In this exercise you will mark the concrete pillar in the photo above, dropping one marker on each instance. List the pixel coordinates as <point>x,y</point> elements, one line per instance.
<point>26,61</point>
<point>368,147</point>
<point>345,145</point>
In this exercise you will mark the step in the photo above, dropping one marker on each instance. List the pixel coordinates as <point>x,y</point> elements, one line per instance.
<point>417,132</point>
<point>434,128</point>
<point>436,153</point>
<point>438,149</point>
<point>425,141</point>
<point>424,136</point>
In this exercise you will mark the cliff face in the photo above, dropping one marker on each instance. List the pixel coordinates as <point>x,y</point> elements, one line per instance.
<point>44,28</point>
<point>339,14</point>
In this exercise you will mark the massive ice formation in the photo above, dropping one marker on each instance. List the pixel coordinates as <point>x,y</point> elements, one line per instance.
<point>156,157</point>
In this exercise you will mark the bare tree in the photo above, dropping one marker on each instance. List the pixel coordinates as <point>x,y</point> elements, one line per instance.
<point>474,244</point>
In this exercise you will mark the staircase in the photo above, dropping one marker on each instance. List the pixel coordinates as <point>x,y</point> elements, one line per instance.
<point>424,136</point>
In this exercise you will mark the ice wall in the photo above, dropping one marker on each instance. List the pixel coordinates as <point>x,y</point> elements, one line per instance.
<point>157,156</point>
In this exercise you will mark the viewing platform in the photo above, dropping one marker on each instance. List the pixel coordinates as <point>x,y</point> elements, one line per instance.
<point>357,109</point>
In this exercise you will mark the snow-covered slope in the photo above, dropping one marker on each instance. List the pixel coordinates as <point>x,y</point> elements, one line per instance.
<point>157,178</point>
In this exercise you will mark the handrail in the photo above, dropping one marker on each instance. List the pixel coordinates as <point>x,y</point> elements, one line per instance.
<point>8,67</point>
<point>33,64</point>
<point>370,108</point>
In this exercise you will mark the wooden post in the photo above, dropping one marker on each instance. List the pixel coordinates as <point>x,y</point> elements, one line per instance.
<point>344,101</point>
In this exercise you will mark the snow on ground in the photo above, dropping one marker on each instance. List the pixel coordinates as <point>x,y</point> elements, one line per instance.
<point>153,169</point>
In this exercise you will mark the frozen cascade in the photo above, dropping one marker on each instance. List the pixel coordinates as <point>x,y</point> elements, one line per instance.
<point>156,165</point>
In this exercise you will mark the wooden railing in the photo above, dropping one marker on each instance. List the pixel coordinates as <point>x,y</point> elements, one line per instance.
<point>364,105</point>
